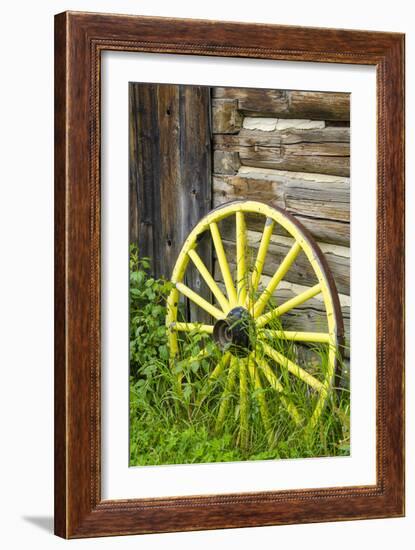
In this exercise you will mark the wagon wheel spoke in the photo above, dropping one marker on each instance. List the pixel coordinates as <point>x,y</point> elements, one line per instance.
<point>215,374</point>
<point>262,401</point>
<point>201,355</point>
<point>261,255</point>
<point>269,374</point>
<point>227,394</point>
<point>172,301</point>
<point>318,409</point>
<point>191,327</point>
<point>241,249</point>
<point>265,318</point>
<point>198,300</point>
<point>263,408</point>
<point>277,386</point>
<point>243,403</point>
<point>223,263</point>
<point>220,367</point>
<point>293,368</point>
<point>299,336</point>
<point>276,279</point>
<point>251,368</point>
<point>209,280</point>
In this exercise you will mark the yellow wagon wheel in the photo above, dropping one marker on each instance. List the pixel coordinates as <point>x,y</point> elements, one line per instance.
<point>247,324</point>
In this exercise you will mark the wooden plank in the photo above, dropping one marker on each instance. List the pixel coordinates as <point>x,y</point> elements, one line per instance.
<point>196,183</point>
<point>168,230</point>
<point>314,197</point>
<point>226,162</point>
<point>288,136</point>
<point>324,151</point>
<point>288,104</point>
<point>326,231</point>
<point>226,119</point>
<point>266,124</point>
<point>170,173</point>
<point>323,159</point>
<point>143,165</point>
<point>321,105</point>
<point>133,165</point>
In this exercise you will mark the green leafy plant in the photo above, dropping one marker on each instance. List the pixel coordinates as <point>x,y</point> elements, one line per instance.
<point>148,338</point>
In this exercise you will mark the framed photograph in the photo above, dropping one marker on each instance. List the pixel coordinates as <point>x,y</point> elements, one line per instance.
<point>229,276</point>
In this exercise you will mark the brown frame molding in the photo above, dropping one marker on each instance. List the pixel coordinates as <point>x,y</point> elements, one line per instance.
<point>79,40</point>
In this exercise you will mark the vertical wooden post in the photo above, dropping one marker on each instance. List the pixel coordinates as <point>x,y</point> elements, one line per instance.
<point>170,174</point>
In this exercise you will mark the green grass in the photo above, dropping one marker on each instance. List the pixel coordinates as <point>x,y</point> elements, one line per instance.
<point>173,423</point>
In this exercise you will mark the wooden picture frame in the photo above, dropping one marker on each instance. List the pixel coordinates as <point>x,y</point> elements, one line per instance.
<point>79,40</point>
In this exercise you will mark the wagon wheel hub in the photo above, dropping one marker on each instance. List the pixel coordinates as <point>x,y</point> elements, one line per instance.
<point>236,333</point>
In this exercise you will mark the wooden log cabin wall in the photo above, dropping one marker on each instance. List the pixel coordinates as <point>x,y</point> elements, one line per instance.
<point>170,175</point>
<point>193,148</point>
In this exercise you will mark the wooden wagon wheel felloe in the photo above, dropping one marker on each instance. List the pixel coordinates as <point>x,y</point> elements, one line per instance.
<point>247,323</point>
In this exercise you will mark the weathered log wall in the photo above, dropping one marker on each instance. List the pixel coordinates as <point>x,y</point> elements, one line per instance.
<point>289,149</point>
<point>194,147</point>
<point>288,104</point>
<point>170,174</point>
